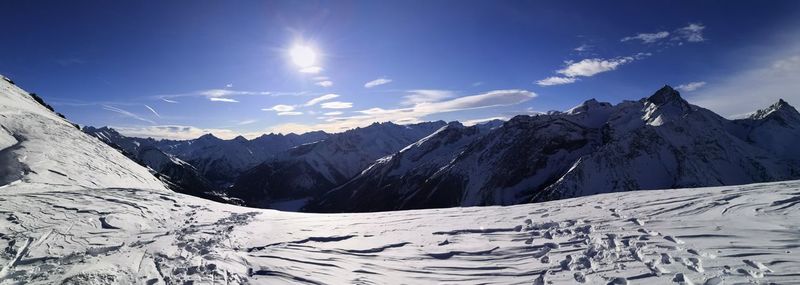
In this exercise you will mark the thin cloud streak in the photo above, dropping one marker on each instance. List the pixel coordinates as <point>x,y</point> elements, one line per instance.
<point>152,110</point>
<point>691,86</point>
<point>336,105</point>
<point>377,82</point>
<point>127,114</point>
<point>219,99</point>
<point>319,99</point>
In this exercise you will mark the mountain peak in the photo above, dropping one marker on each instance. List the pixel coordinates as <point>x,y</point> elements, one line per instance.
<point>780,108</point>
<point>665,95</point>
<point>588,105</point>
<point>208,136</point>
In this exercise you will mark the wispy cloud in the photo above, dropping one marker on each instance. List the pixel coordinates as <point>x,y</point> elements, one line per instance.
<point>556,80</point>
<point>336,113</point>
<point>319,99</point>
<point>647,38</point>
<point>413,114</point>
<point>127,114</point>
<point>691,33</point>
<point>178,132</point>
<point>691,86</point>
<point>280,108</point>
<point>291,113</point>
<point>311,69</point>
<point>214,93</point>
<point>587,68</point>
<point>377,82</point>
<point>336,105</point>
<point>152,110</point>
<point>325,83</point>
<point>219,99</point>
<point>426,96</point>
<point>583,48</point>
<point>246,122</point>
<point>591,66</point>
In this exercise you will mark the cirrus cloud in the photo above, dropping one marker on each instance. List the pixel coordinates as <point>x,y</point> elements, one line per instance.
<point>414,113</point>
<point>280,108</point>
<point>377,82</point>
<point>325,83</point>
<point>556,80</point>
<point>219,99</point>
<point>691,86</point>
<point>647,38</point>
<point>319,99</point>
<point>336,105</point>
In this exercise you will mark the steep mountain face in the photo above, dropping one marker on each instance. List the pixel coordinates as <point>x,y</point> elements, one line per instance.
<point>658,142</point>
<point>29,154</point>
<point>308,170</point>
<point>400,175</point>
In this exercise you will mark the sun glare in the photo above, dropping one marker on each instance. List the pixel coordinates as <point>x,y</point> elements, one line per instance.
<point>303,56</point>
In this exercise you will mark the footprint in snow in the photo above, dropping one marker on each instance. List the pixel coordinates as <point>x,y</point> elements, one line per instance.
<point>757,265</point>
<point>673,239</point>
<point>619,281</point>
<point>681,278</point>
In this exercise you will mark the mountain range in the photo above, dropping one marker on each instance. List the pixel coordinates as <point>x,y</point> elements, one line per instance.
<point>660,141</point>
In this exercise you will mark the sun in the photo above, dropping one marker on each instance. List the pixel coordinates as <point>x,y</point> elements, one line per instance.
<point>303,56</point>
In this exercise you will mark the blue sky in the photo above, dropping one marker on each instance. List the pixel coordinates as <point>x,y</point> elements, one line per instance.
<point>183,68</point>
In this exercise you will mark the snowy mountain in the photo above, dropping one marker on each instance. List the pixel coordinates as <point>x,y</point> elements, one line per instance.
<point>217,160</point>
<point>771,129</point>
<point>390,181</point>
<point>177,174</point>
<point>658,142</point>
<point>76,211</point>
<point>222,161</point>
<point>308,170</point>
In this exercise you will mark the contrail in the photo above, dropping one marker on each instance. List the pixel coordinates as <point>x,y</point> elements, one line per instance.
<point>151,110</point>
<point>126,113</point>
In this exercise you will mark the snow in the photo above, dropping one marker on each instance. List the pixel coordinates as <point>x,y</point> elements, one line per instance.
<point>735,233</point>
<point>51,151</point>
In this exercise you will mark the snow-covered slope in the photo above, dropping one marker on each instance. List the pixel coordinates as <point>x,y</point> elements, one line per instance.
<point>38,146</point>
<point>308,170</point>
<point>740,234</point>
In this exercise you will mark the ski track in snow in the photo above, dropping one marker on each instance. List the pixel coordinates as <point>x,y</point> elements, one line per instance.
<point>733,234</point>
